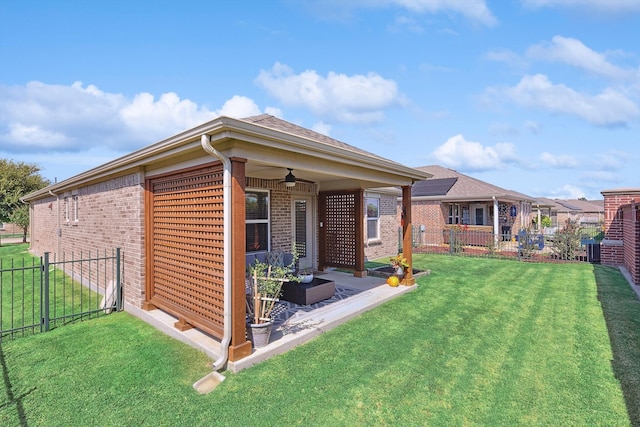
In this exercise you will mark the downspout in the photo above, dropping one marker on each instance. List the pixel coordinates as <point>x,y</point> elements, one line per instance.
<point>59,229</point>
<point>226,200</point>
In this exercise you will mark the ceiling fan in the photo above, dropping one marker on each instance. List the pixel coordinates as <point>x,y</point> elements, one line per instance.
<point>290,180</point>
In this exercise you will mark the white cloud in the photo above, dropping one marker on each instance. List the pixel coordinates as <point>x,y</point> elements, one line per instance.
<point>558,161</point>
<point>461,154</point>
<point>506,56</point>
<point>607,6</point>
<point>351,99</point>
<point>608,108</point>
<point>322,127</point>
<point>573,52</point>
<point>405,23</point>
<point>600,176</point>
<point>566,191</point>
<point>74,118</point>
<point>533,127</point>
<point>152,120</point>
<point>474,10</point>
<point>239,106</point>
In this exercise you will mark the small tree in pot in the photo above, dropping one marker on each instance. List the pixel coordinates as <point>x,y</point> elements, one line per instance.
<point>266,288</point>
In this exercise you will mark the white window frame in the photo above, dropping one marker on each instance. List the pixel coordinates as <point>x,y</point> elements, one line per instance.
<point>375,219</point>
<point>454,217</point>
<point>261,221</point>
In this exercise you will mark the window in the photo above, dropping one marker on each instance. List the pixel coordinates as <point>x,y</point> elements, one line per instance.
<point>454,214</point>
<point>71,209</point>
<point>373,218</point>
<point>257,220</point>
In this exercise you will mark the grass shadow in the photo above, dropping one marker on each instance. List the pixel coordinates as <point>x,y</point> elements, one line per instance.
<point>621,309</point>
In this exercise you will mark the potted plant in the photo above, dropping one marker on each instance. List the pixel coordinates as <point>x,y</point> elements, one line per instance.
<point>266,286</point>
<point>305,274</point>
<point>399,263</point>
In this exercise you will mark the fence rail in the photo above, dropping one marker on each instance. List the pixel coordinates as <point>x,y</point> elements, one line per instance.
<point>524,245</point>
<point>38,294</point>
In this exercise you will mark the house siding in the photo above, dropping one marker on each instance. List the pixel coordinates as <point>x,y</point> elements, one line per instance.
<point>110,215</point>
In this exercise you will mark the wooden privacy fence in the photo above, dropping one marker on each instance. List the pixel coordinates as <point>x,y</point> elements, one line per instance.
<point>38,294</point>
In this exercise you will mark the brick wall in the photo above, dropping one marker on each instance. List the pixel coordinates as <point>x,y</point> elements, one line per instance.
<point>110,214</point>
<point>429,213</point>
<point>621,244</point>
<point>387,245</point>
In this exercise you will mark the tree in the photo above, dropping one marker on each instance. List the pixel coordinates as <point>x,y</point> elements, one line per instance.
<point>17,179</point>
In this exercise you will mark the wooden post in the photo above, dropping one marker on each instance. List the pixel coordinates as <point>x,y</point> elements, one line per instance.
<point>407,237</point>
<point>239,347</point>
<point>359,270</point>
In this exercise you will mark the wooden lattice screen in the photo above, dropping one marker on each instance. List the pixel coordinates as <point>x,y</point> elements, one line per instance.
<point>338,230</point>
<point>186,246</point>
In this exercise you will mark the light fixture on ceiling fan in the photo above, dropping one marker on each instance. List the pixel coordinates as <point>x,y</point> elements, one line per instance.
<point>290,179</point>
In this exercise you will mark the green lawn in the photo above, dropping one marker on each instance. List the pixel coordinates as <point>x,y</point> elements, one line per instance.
<point>20,293</point>
<point>480,342</point>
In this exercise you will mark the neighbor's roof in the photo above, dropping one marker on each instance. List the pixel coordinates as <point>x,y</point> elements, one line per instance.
<point>450,185</point>
<point>573,205</point>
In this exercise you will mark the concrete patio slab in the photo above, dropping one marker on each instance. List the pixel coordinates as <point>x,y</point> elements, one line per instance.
<point>299,328</point>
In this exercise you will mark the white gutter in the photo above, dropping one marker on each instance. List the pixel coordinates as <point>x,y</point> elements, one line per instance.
<point>205,140</point>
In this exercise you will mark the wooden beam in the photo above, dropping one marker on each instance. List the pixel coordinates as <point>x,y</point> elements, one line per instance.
<point>239,347</point>
<point>407,238</point>
<point>359,270</point>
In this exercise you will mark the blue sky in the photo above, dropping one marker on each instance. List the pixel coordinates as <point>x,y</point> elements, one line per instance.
<point>536,96</point>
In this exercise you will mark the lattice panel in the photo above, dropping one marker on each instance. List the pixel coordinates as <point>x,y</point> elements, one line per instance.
<point>187,244</point>
<point>340,229</point>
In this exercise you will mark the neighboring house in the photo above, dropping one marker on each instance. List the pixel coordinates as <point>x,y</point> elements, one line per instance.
<point>10,228</point>
<point>187,210</point>
<point>451,199</point>
<point>585,212</point>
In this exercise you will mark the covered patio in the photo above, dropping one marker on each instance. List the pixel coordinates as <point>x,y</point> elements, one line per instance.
<point>308,322</point>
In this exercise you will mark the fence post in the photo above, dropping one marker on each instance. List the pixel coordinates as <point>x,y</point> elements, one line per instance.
<point>45,292</point>
<point>452,236</point>
<point>118,284</point>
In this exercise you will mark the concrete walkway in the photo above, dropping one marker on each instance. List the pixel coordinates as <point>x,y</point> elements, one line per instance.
<point>300,328</point>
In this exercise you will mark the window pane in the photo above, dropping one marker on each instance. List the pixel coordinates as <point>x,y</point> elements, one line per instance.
<point>257,204</point>
<point>372,228</point>
<point>373,208</point>
<point>257,237</point>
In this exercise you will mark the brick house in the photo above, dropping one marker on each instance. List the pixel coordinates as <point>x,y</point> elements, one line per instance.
<point>187,210</point>
<point>584,212</point>
<point>451,199</point>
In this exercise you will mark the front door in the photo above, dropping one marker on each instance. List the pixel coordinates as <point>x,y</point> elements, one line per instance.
<point>304,230</point>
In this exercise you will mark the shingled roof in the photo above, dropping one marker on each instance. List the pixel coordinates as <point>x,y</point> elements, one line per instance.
<point>275,123</point>
<point>460,187</point>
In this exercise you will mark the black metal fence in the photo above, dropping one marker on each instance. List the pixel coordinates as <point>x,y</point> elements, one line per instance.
<point>38,294</point>
<point>524,245</point>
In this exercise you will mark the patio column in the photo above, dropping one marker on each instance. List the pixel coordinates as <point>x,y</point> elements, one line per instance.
<point>407,235</point>
<point>496,220</point>
<point>239,347</point>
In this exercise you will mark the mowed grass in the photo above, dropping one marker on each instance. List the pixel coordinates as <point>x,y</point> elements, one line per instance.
<point>480,342</point>
<point>21,295</point>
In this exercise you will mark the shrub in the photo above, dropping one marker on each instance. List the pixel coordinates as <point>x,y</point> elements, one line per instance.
<point>567,241</point>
